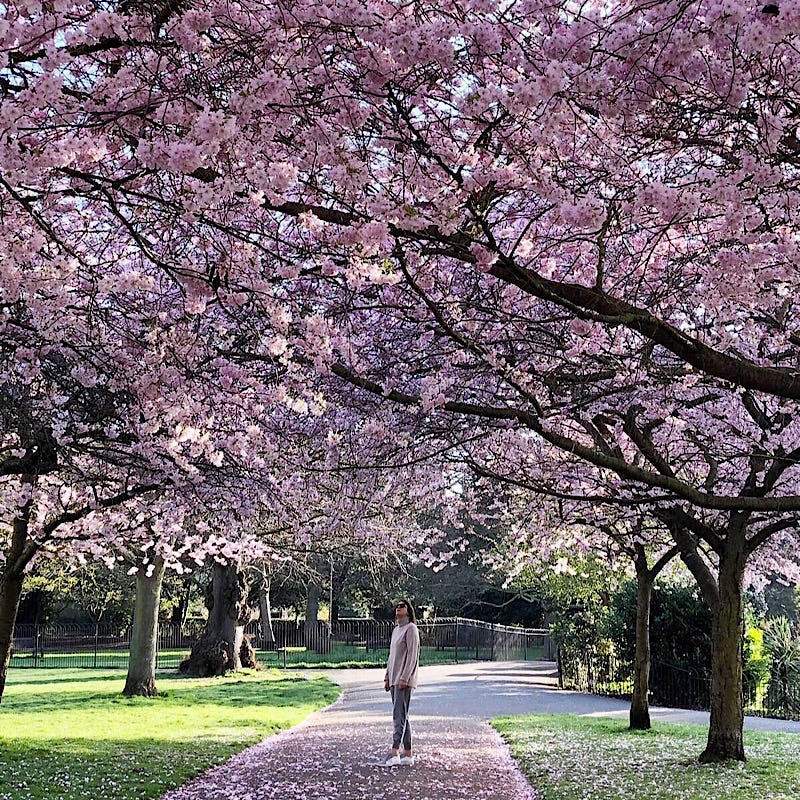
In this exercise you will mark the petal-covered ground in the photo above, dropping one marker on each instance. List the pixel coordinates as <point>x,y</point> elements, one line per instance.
<point>338,753</point>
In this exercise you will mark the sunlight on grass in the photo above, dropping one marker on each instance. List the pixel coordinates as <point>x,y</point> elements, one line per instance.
<point>578,758</point>
<point>70,734</point>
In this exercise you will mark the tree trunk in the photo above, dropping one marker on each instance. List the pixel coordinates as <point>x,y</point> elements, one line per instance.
<point>267,631</point>
<point>314,640</point>
<point>220,648</point>
<point>725,600</point>
<point>725,738</point>
<point>640,712</point>
<point>338,582</point>
<point>181,610</point>
<point>10,593</point>
<point>11,588</point>
<point>141,680</point>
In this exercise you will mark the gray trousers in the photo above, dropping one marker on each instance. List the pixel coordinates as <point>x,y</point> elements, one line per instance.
<point>401,699</point>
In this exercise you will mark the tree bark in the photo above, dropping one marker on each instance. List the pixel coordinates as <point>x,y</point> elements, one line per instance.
<point>313,636</point>
<point>11,588</point>
<point>338,581</point>
<point>141,680</point>
<point>10,593</point>
<point>724,597</point>
<point>220,648</point>
<point>639,715</point>
<point>725,737</point>
<point>267,631</point>
<point>181,610</point>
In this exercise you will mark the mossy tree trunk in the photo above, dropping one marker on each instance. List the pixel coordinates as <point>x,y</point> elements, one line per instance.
<point>725,735</point>
<point>724,596</point>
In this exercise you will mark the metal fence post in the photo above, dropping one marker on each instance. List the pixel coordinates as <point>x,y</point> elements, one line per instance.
<point>560,668</point>
<point>456,653</point>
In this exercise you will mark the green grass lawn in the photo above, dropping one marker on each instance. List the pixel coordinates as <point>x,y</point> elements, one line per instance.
<point>594,758</point>
<point>341,656</point>
<point>70,734</point>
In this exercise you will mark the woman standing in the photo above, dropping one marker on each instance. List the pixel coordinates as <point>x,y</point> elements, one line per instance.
<point>401,678</point>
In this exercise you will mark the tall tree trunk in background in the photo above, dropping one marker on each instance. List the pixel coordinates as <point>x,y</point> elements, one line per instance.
<point>141,680</point>
<point>220,648</point>
<point>267,631</point>
<point>314,638</point>
<point>181,610</point>
<point>639,715</point>
<point>338,581</point>
<point>16,559</point>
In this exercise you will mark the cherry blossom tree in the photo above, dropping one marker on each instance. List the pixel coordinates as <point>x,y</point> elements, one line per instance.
<point>504,216</point>
<point>731,445</point>
<point>544,525</point>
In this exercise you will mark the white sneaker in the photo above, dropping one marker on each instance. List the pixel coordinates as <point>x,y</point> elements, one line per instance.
<point>407,760</point>
<point>392,761</point>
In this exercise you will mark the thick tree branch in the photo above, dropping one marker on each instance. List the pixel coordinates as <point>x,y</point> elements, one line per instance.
<point>589,454</point>
<point>764,534</point>
<point>695,564</point>
<point>33,545</point>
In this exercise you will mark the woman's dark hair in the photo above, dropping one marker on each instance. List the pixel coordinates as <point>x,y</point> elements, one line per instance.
<point>412,615</point>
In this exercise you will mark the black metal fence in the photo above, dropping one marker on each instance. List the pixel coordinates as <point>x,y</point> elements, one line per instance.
<point>777,699</point>
<point>671,685</point>
<point>289,643</point>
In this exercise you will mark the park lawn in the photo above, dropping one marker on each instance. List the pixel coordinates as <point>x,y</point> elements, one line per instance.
<point>593,758</point>
<point>71,735</point>
<point>341,656</point>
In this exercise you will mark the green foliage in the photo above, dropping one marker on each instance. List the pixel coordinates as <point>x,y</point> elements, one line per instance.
<point>782,601</point>
<point>579,632</point>
<point>589,758</point>
<point>72,735</point>
<point>578,580</point>
<point>755,669</point>
<point>104,595</point>
<point>782,649</point>
<point>680,624</point>
<point>578,594</point>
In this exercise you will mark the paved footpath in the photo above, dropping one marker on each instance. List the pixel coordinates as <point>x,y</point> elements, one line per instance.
<point>338,753</point>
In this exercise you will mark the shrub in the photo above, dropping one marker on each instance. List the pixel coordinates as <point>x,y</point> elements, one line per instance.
<point>782,649</point>
<point>680,625</point>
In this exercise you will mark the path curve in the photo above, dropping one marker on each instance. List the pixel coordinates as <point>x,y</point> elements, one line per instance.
<point>338,752</point>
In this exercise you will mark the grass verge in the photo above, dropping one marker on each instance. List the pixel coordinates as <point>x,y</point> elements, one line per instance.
<point>71,735</point>
<point>592,758</point>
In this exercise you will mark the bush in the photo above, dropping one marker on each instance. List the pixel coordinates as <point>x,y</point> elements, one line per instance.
<point>578,632</point>
<point>783,651</point>
<point>755,670</point>
<point>680,625</point>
